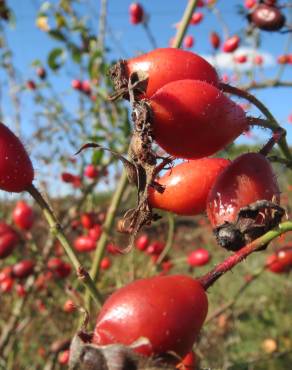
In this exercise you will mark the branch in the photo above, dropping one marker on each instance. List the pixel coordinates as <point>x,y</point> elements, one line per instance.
<point>57,231</point>
<point>211,277</point>
<point>251,98</point>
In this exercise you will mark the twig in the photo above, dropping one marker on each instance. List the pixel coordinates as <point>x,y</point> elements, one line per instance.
<point>57,231</point>
<point>230,262</point>
<point>274,124</point>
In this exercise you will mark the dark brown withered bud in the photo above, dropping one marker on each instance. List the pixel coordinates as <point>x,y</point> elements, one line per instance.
<point>267,18</point>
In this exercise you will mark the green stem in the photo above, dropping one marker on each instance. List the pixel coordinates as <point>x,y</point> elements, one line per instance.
<point>107,226</point>
<point>184,23</point>
<point>251,98</point>
<point>57,231</point>
<point>169,241</point>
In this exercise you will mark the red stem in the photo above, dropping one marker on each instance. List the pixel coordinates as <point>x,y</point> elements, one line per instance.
<point>231,261</point>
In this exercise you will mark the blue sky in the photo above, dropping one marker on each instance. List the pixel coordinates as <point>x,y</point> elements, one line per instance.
<point>125,40</point>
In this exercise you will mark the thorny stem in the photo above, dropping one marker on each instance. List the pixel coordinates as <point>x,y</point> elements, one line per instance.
<point>57,231</point>
<point>274,124</point>
<point>211,277</point>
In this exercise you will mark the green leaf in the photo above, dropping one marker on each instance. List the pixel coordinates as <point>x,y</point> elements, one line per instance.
<point>56,58</point>
<point>57,35</point>
<point>97,157</point>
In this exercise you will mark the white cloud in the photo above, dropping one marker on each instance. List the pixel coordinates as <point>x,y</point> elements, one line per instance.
<point>226,60</point>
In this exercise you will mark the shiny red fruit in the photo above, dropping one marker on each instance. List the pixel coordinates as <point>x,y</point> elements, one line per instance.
<point>69,306</point>
<point>16,171</point>
<point>91,171</point>
<point>58,267</point>
<point>198,257</point>
<point>214,40</point>
<point>247,179</point>
<point>6,285</point>
<point>5,273</point>
<point>193,119</point>
<point>76,84</point>
<point>95,232</point>
<point>85,87</point>
<point>162,66</point>
<point>188,42</point>
<point>250,3</point>
<point>280,261</point>
<point>88,220</point>
<point>30,84</point>
<point>240,59</point>
<point>136,13</point>
<point>142,242</point>
<point>168,310</point>
<point>41,72</point>
<point>258,60</point>
<point>67,177</point>
<point>188,362</point>
<point>197,18</point>
<point>23,269</point>
<point>231,44</point>
<point>63,357</point>
<point>23,215</point>
<point>8,241</point>
<point>186,190</point>
<point>84,244</point>
<point>105,263</point>
<point>155,248</point>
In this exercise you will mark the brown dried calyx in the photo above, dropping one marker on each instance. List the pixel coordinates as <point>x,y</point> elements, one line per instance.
<point>87,356</point>
<point>141,167</point>
<point>120,77</point>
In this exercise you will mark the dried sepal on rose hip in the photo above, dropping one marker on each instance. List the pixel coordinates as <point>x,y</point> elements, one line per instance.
<point>16,170</point>
<point>157,68</point>
<point>191,119</point>
<point>244,201</point>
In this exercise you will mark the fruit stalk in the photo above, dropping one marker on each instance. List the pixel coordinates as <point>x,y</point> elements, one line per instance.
<point>191,6</point>
<point>57,231</point>
<point>251,98</point>
<point>211,277</point>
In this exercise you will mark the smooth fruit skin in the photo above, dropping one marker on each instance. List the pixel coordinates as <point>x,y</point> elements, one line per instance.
<point>168,310</point>
<point>136,13</point>
<point>8,239</point>
<point>247,179</point>
<point>23,269</point>
<point>165,65</point>
<point>186,190</point>
<point>91,171</point>
<point>280,261</point>
<point>84,243</point>
<point>199,257</point>
<point>16,171</point>
<point>23,215</point>
<point>231,44</point>
<point>193,119</point>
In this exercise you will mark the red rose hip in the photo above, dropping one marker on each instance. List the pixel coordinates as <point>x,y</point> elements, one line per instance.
<point>168,310</point>
<point>16,171</point>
